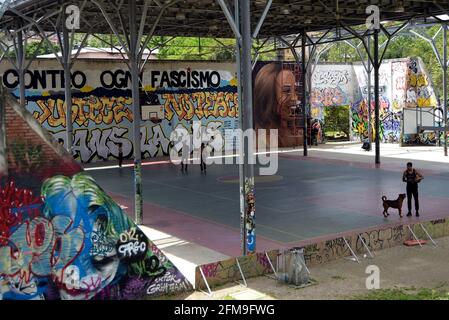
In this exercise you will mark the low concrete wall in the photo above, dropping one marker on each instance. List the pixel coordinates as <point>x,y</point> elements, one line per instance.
<point>222,272</point>
<point>378,239</point>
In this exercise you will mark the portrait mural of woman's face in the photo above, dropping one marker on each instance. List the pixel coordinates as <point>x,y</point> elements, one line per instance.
<point>275,102</point>
<point>286,95</point>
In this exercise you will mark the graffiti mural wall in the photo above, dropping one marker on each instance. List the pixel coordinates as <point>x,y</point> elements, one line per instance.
<point>390,127</point>
<point>175,94</point>
<point>332,85</point>
<point>403,83</point>
<point>61,235</point>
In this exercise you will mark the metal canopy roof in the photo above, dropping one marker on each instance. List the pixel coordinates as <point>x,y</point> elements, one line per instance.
<point>203,18</point>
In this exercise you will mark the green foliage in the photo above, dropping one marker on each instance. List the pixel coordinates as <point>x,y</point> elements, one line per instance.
<point>340,52</point>
<point>406,46</point>
<point>194,48</point>
<point>405,294</point>
<point>401,46</point>
<point>33,49</point>
<point>180,48</point>
<point>336,119</point>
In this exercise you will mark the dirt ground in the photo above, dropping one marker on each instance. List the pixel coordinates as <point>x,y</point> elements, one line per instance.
<point>409,268</point>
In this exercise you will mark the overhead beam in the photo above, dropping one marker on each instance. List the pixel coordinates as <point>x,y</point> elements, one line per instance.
<point>262,19</point>
<point>231,20</point>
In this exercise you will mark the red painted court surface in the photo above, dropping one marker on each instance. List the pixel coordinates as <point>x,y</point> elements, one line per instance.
<point>309,199</point>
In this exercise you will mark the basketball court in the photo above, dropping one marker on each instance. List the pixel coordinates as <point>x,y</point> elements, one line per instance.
<point>334,191</point>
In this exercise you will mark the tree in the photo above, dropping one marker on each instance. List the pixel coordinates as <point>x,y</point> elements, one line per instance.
<point>401,46</point>
<point>336,119</point>
<point>33,49</point>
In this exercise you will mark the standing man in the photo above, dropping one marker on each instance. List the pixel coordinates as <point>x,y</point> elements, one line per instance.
<point>202,157</point>
<point>185,153</point>
<point>412,177</point>
<point>120,154</point>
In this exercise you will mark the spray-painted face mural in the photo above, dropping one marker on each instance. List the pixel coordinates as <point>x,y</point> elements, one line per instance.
<point>277,101</point>
<point>74,242</point>
<point>61,236</point>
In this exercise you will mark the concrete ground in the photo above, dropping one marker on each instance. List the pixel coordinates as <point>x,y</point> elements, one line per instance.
<point>336,190</point>
<point>400,267</point>
<point>186,256</point>
<point>424,156</point>
<point>194,220</point>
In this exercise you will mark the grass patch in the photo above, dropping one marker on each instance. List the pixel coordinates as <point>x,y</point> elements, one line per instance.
<point>228,297</point>
<point>405,294</point>
<point>338,278</point>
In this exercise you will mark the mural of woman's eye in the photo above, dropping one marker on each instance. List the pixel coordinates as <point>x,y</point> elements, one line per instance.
<point>286,89</point>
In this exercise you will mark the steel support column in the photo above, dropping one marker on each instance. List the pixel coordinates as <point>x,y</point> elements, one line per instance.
<point>66,64</point>
<point>3,146</point>
<point>304,89</point>
<point>238,49</point>
<point>246,107</point>
<point>376,66</point>
<point>20,58</point>
<point>310,55</point>
<point>135,83</point>
<point>444,65</point>
<point>368,72</point>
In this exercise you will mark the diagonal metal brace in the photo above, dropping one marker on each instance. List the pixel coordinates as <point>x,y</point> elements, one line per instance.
<point>241,273</point>
<point>352,251</point>
<point>207,284</point>
<point>428,235</point>
<point>414,235</point>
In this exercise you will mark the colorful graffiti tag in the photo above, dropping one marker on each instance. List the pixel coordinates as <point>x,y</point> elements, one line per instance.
<point>332,85</point>
<point>320,97</point>
<point>73,242</point>
<point>250,223</point>
<point>403,83</point>
<point>359,120</point>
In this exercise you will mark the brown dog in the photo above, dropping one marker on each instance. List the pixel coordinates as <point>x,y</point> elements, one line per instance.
<point>396,204</point>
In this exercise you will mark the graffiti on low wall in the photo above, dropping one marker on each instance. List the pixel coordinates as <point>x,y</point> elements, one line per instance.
<point>222,272</point>
<point>218,273</point>
<point>378,239</point>
<point>436,228</point>
<point>381,239</point>
<point>319,253</point>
